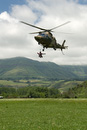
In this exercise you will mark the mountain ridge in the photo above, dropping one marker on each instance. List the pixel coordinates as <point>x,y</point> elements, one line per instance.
<point>25,68</point>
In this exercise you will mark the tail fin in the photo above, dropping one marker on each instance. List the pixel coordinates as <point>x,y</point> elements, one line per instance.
<point>62,46</point>
<point>63,42</point>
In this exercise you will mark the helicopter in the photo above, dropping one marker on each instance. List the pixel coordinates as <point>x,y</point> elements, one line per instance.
<point>46,38</point>
<point>40,54</point>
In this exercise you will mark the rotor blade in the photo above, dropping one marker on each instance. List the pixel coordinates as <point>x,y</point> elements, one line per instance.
<point>32,25</point>
<point>36,32</point>
<point>59,25</point>
<point>63,32</point>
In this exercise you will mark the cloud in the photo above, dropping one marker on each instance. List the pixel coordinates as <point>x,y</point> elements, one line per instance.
<point>23,12</point>
<point>15,39</point>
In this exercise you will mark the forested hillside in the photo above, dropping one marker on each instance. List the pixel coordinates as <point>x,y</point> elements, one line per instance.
<point>80,91</point>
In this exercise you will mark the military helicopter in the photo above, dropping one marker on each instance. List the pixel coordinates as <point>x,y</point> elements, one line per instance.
<point>45,37</point>
<point>40,54</point>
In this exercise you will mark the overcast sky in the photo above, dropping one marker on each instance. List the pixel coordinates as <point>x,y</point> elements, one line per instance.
<point>15,40</point>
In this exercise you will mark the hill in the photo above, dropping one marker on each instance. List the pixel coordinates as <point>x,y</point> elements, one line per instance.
<point>80,91</point>
<point>79,70</point>
<point>24,68</point>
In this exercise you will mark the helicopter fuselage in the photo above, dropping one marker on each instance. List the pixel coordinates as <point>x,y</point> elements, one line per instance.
<point>46,39</point>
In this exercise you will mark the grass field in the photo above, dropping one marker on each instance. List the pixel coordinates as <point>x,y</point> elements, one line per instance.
<point>43,114</point>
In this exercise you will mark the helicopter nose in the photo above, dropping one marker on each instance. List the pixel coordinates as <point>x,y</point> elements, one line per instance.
<point>37,38</point>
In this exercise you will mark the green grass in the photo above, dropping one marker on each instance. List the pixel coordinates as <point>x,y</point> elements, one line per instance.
<point>43,114</point>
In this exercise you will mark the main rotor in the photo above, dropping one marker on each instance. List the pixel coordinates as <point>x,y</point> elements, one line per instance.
<point>44,30</point>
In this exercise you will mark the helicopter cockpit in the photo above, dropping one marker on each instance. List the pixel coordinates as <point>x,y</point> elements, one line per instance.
<point>42,34</point>
<point>46,35</point>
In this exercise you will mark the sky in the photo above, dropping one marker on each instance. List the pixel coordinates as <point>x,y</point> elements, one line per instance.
<point>15,40</point>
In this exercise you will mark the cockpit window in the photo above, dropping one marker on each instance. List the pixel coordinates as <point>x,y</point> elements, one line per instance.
<point>42,34</point>
<point>45,35</point>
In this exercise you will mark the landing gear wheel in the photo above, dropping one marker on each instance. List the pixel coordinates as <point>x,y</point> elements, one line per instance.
<point>43,49</point>
<point>54,49</point>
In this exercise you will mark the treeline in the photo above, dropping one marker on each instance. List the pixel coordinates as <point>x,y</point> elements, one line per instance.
<point>80,91</point>
<point>29,92</point>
